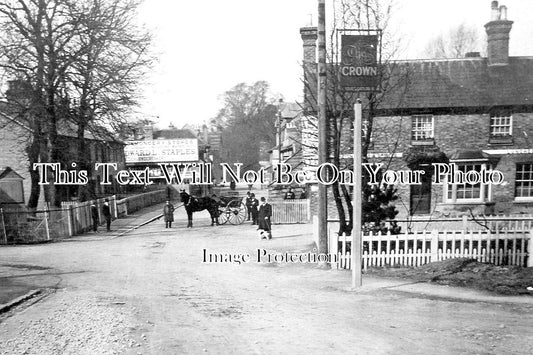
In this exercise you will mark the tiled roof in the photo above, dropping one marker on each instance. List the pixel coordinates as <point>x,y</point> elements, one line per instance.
<point>173,134</point>
<point>460,83</point>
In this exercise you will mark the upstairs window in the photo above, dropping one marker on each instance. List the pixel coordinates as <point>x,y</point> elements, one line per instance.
<point>524,181</point>
<point>421,128</point>
<point>501,125</point>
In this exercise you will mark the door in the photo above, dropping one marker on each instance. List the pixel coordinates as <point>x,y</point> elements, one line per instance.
<point>420,201</point>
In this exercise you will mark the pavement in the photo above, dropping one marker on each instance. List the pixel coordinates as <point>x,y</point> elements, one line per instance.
<point>19,282</point>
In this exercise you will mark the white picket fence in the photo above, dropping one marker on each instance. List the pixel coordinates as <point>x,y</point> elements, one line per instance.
<point>291,211</point>
<point>469,223</point>
<point>415,249</point>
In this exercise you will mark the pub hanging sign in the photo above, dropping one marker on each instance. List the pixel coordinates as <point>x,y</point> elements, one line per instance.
<point>359,64</point>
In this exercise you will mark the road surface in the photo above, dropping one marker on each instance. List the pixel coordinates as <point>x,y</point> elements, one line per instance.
<point>150,292</point>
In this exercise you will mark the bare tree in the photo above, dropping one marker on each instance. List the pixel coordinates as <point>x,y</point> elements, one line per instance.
<point>103,81</point>
<point>80,59</point>
<point>362,15</point>
<point>454,44</point>
<point>37,35</point>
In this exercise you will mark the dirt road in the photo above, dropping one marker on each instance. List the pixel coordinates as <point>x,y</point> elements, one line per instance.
<point>149,292</point>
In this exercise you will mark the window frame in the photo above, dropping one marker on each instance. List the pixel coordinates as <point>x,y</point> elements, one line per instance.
<point>415,132</point>
<point>485,190</point>
<point>530,180</point>
<point>500,115</point>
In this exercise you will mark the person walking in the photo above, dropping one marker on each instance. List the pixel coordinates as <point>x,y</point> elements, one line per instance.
<point>168,213</point>
<point>248,204</point>
<point>264,215</point>
<point>94,215</point>
<point>106,211</point>
<point>254,205</point>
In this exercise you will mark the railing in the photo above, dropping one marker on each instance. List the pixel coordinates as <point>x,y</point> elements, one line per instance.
<point>469,223</point>
<point>415,249</point>
<point>291,211</point>
<point>21,226</point>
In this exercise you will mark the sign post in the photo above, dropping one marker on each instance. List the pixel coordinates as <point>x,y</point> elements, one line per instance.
<point>358,72</point>
<point>356,198</point>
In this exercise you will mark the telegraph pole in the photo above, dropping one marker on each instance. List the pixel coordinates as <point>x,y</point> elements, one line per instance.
<point>322,128</point>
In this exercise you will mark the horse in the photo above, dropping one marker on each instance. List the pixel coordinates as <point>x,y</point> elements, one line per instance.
<point>196,204</point>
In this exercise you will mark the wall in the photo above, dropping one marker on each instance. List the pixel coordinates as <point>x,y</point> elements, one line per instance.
<point>391,135</point>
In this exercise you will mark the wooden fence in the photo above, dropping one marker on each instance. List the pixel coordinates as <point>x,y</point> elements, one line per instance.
<point>291,211</point>
<point>469,223</point>
<point>415,249</point>
<point>74,218</point>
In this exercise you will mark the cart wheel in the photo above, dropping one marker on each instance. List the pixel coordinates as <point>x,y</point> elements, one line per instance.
<point>238,212</point>
<point>223,215</point>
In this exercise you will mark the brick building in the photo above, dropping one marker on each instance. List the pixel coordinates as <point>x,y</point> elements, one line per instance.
<point>477,111</point>
<point>15,138</point>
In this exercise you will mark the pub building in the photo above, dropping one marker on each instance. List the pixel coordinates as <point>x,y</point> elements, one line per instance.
<point>476,111</point>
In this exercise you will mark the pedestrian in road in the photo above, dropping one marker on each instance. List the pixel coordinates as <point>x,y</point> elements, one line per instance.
<point>254,205</point>
<point>248,204</point>
<point>289,195</point>
<point>94,215</point>
<point>106,211</point>
<point>264,215</point>
<point>168,213</point>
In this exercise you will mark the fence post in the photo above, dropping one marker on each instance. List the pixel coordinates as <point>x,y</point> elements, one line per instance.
<point>46,225</point>
<point>69,220</point>
<point>530,249</point>
<point>114,197</point>
<point>465,223</point>
<point>434,245</point>
<point>308,209</point>
<point>315,230</point>
<point>3,225</point>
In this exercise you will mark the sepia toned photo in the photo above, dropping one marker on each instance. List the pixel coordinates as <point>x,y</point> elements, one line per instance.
<point>258,177</point>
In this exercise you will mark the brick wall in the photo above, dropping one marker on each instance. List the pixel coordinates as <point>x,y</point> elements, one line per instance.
<point>452,133</point>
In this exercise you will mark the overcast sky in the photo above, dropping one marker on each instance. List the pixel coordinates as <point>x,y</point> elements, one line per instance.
<point>206,47</point>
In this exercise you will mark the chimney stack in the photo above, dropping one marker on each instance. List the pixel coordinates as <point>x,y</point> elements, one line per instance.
<point>498,35</point>
<point>309,37</point>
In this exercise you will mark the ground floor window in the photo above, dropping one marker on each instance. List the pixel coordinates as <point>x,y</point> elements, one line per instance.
<point>524,181</point>
<point>466,192</point>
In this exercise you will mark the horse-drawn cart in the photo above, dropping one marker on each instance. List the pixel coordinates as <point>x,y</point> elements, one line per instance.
<point>231,208</point>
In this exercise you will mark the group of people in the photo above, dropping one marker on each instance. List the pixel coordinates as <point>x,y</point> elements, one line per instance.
<point>260,213</point>
<point>106,212</point>
<point>290,195</point>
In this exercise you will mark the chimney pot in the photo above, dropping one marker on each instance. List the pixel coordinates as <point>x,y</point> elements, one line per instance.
<point>495,14</point>
<point>503,12</point>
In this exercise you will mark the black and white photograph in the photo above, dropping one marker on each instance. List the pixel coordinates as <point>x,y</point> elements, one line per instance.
<point>258,177</point>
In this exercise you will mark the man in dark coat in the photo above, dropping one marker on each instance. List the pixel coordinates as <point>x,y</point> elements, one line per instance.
<point>106,211</point>
<point>254,204</point>
<point>94,215</point>
<point>265,212</point>
<point>248,204</point>
<point>303,195</point>
<point>168,214</point>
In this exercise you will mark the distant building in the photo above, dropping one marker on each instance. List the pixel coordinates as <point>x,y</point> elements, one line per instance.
<point>176,146</point>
